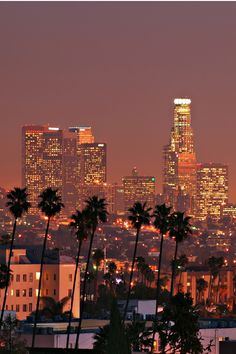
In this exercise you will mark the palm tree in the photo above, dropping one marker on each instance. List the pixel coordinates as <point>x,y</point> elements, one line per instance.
<point>52,308</point>
<point>97,257</point>
<point>50,205</point>
<point>18,205</point>
<point>140,262</point>
<point>139,216</point>
<point>215,264</point>
<point>96,209</point>
<point>109,277</point>
<point>80,225</point>
<point>180,229</point>
<point>201,286</point>
<point>180,266</point>
<point>162,224</point>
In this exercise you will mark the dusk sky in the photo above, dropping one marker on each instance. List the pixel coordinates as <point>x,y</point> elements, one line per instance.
<point>118,67</point>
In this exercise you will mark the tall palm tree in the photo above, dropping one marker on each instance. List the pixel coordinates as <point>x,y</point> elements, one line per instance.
<point>139,216</point>
<point>50,205</point>
<point>96,209</point>
<point>180,229</point>
<point>97,257</point>
<point>18,205</point>
<point>201,286</point>
<point>215,264</point>
<point>80,225</point>
<point>162,224</point>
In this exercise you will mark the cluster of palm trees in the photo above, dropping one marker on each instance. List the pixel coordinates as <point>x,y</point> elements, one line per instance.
<point>84,224</point>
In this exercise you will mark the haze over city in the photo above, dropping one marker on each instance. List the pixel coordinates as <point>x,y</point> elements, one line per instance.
<point>118,67</point>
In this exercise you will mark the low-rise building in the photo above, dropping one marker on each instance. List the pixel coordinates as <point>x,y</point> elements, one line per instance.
<point>57,282</point>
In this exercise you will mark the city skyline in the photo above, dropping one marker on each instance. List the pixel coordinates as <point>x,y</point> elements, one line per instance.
<point>127,89</point>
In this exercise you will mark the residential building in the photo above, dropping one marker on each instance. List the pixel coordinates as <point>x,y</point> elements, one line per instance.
<point>57,282</point>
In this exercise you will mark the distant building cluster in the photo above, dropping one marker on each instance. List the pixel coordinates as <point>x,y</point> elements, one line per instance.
<point>200,189</point>
<point>72,161</point>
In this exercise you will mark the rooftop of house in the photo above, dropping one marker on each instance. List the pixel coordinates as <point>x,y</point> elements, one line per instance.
<point>32,255</point>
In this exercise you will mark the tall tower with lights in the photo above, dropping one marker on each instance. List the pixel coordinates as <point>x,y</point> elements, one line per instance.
<point>179,180</point>
<point>41,160</point>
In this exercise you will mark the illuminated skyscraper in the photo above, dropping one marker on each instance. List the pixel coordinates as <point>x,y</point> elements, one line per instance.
<point>32,161</point>
<point>212,189</point>
<point>85,135</point>
<point>41,160</point>
<point>52,158</point>
<point>70,172</point>
<point>138,189</point>
<point>92,168</point>
<point>179,180</point>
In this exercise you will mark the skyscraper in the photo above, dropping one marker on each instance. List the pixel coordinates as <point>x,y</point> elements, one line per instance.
<point>70,172</point>
<point>138,189</point>
<point>179,180</point>
<point>212,189</point>
<point>41,160</point>
<point>92,169</point>
<point>32,162</point>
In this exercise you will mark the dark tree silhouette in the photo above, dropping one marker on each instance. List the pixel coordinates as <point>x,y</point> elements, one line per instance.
<point>18,205</point>
<point>139,216</point>
<point>80,226</point>
<point>96,208</point>
<point>180,229</point>
<point>97,257</point>
<point>162,224</point>
<point>50,205</point>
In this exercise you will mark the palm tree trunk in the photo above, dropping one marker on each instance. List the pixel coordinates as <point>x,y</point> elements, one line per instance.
<point>209,289</point>
<point>157,289</point>
<point>173,270</point>
<point>131,275</point>
<point>73,294</point>
<point>8,272</point>
<point>40,283</point>
<point>217,290</point>
<point>84,289</point>
<point>180,279</point>
<point>95,284</point>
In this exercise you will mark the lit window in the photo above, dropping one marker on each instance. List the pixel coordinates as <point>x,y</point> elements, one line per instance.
<point>36,292</point>
<point>12,292</point>
<point>37,275</point>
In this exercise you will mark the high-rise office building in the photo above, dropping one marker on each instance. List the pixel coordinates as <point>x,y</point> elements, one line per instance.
<point>41,160</point>
<point>179,180</point>
<point>138,189</point>
<point>67,160</point>
<point>212,189</point>
<point>92,169</point>
<point>70,172</point>
<point>32,161</point>
<point>85,135</point>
